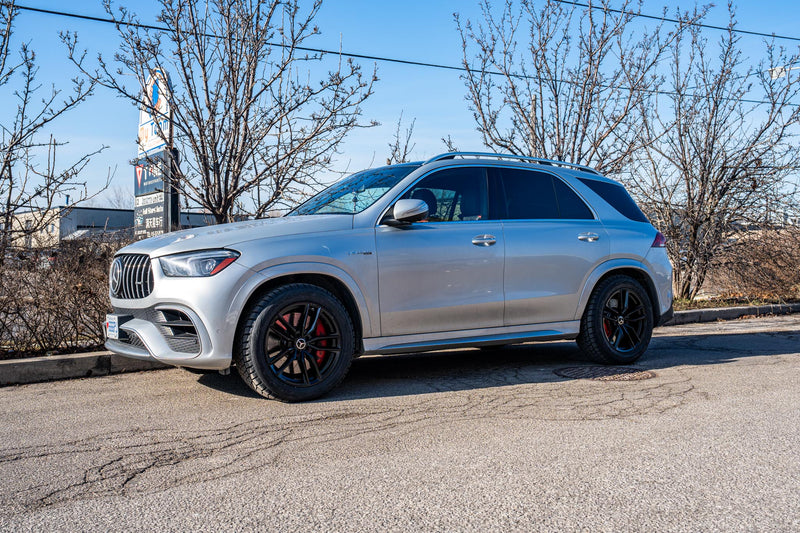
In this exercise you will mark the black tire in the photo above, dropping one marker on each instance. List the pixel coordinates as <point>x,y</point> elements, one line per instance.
<point>618,322</point>
<point>295,344</point>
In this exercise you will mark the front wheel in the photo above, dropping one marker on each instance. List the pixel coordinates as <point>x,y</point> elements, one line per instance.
<point>296,343</point>
<point>618,322</point>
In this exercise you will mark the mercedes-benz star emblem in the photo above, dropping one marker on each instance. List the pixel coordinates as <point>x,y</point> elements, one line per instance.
<point>116,276</point>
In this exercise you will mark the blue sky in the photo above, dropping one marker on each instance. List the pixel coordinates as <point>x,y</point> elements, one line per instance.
<point>413,29</point>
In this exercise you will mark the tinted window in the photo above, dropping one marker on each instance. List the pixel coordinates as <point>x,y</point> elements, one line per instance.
<point>617,197</point>
<point>569,204</point>
<point>528,195</point>
<point>453,194</point>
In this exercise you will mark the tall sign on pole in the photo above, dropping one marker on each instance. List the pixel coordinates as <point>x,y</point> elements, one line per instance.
<point>156,207</point>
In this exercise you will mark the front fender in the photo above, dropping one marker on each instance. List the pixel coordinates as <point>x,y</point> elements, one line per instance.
<point>299,268</point>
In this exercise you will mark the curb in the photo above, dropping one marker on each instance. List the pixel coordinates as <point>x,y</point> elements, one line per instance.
<point>58,367</point>
<point>730,313</point>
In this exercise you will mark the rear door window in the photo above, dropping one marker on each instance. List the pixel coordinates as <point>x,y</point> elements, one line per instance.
<point>570,204</point>
<point>528,195</point>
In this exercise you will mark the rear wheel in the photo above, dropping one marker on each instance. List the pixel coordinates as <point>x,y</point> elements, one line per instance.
<point>618,321</point>
<point>296,343</point>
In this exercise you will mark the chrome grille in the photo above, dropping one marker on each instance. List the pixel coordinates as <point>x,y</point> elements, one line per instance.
<point>131,276</point>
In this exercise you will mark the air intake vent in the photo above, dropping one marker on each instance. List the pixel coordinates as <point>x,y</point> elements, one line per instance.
<point>131,276</point>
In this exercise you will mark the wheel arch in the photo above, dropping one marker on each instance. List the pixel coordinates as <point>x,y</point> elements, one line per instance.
<point>631,269</point>
<point>327,281</point>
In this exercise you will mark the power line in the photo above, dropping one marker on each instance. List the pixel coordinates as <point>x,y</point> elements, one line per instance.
<point>677,21</point>
<point>371,57</point>
<point>281,45</point>
<point>665,19</point>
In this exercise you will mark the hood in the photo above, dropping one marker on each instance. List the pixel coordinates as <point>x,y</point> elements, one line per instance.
<point>228,235</point>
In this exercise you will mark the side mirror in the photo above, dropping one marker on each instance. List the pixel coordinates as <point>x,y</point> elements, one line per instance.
<point>407,211</point>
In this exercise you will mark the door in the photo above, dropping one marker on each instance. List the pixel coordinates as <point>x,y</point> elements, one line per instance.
<point>445,273</point>
<point>553,241</point>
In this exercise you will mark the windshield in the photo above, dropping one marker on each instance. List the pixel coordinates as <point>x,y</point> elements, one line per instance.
<point>355,193</point>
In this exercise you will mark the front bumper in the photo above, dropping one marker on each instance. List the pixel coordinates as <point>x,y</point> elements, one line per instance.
<point>187,322</point>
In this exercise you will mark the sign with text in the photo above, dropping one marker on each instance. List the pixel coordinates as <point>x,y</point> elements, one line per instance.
<point>148,218</point>
<point>155,114</point>
<point>156,208</point>
<point>151,173</point>
<point>154,214</point>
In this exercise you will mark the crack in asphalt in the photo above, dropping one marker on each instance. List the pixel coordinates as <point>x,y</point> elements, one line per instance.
<point>155,459</point>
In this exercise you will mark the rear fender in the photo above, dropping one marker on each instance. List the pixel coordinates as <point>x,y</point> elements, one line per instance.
<point>610,266</point>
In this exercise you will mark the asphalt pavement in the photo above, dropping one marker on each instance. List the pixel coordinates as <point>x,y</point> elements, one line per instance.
<point>469,440</point>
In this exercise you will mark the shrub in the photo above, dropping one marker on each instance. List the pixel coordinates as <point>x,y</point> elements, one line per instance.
<point>761,264</point>
<point>55,301</point>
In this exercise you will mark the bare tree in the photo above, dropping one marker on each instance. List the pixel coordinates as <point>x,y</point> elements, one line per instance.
<point>31,182</point>
<point>119,197</point>
<point>253,128</point>
<point>449,144</point>
<point>719,145</point>
<point>560,82</point>
<point>401,146</point>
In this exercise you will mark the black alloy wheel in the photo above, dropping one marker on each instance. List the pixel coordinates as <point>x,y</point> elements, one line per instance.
<point>303,343</point>
<point>295,343</point>
<point>624,320</point>
<point>618,321</point>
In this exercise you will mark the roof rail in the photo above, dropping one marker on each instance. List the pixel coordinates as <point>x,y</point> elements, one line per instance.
<point>539,160</point>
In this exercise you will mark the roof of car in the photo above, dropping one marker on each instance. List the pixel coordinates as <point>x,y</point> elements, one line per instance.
<point>512,158</point>
<point>571,169</point>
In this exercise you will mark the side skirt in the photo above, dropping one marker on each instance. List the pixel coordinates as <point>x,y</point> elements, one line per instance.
<point>472,337</point>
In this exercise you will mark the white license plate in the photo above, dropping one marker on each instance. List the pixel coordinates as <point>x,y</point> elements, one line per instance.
<point>112,326</point>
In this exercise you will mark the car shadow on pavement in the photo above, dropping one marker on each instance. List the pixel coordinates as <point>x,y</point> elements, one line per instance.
<point>229,384</point>
<point>456,370</point>
<point>472,369</point>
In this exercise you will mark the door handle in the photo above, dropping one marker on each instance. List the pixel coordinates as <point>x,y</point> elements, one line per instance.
<point>484,240</point>
<point>588,237</point>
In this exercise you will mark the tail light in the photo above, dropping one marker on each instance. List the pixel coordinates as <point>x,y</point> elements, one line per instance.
<point>660,241</point>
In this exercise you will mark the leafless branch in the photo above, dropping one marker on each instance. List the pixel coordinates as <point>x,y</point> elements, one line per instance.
<point>401,146</point>
<point>559,82</point>
<point>31,180</point>
<point>249,120</point>
<point>711,164</point>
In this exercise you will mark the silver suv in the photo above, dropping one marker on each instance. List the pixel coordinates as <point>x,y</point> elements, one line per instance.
<point>465,249</point>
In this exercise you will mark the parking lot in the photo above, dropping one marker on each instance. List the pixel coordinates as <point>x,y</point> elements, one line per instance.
<point>457,440</point>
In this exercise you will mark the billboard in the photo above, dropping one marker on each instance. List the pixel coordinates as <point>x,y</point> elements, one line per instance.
<point>156,207</point>
<point>155,118</point>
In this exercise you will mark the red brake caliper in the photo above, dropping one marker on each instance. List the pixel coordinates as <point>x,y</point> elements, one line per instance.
<point>319,331</point>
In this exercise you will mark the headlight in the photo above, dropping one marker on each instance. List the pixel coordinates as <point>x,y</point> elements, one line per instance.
<point>197,264</point>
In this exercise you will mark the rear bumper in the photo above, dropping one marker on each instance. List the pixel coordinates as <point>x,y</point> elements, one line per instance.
<point>665,317</point>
